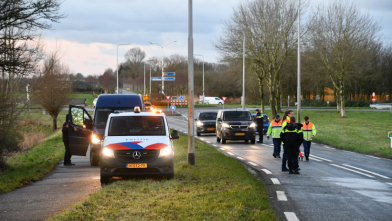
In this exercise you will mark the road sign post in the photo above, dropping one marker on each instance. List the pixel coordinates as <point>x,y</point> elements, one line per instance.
<point>390,136</point>
<point>173,108</point>
<point>168,100</point>
<point>224,101</point>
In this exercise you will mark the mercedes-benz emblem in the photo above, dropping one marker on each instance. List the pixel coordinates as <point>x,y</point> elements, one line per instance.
<point>136,155</point>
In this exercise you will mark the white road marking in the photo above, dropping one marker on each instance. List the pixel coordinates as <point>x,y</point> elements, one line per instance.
<point>222,148</point>
<point>389,184</point>
<point>251,163</point>
<point>240,158</point>
<point>281,196</point>
<point>208,142</point>
<point>315,159</point>
<point>230,153</point>
<point>367,171</point>
<point>266,171</point>
<point>352,170</point>
<point>290,216</point>
<point>373,157</point>
<point>275,181</point>
<point>320,158</point>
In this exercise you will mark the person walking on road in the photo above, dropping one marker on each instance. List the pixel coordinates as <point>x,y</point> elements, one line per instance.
<point>292,136</point>
<point>275,129</point>
<point>285,120</point>
<point>309,131</point>
<point>67,155</point>
<point>259,119</point>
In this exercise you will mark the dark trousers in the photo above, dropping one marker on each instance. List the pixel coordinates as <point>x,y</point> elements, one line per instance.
<point>67,155</point>
<point>284,157</point>
<point>307,144</point>
<point>260,130</point>
<point>292,156</point>
<point>277,142</point>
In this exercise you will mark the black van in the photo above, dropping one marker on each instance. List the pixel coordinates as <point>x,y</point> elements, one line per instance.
<point>235,125</point>
<point>86,131</point>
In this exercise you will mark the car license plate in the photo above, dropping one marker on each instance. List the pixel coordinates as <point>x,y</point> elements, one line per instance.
<point>137,165</point>
<point>240,134</point>
<point>211,129</point>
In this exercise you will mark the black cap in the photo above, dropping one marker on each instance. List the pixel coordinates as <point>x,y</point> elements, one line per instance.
<point>257,110</point>
<point>277,116</point>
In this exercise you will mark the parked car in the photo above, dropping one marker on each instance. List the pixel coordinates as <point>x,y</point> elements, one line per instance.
<point>137,143</point>
<point>235,125</point>
<point>148,106</point>
<point>83,137</point>
<point>266,122</point>
<point>206,122</point>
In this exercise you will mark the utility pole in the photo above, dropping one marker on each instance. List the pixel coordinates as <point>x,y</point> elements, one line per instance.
<point>191,137</point>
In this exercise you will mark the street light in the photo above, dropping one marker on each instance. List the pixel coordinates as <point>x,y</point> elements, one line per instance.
<point>163,87</point>
<point>299,70</point>
<point>243,75</point>
<point>203,74</point>
<point>117,65</point>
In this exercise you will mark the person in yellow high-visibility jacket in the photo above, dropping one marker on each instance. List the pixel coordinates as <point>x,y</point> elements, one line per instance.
<point>285,120</point>
<point>309,131</point>
<point>274,129</point>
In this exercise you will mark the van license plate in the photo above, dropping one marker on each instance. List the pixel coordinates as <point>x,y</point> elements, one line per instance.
<point>240,134</point>
<point>137,165</point>
<point>211,129</point>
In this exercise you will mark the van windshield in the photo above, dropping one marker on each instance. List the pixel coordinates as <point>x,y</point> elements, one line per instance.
<point>237,115</point>
<point>207,116</point>
<point>101,114</point>
<point>137,126</point>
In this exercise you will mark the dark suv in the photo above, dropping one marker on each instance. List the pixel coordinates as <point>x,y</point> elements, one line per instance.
<point>206,122</point>
<point>235,125</point>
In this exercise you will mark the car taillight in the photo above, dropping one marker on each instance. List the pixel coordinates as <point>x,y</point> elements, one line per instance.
<point>268,119</point>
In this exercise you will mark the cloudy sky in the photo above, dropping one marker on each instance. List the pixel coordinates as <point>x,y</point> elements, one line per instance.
<point>89,35</point>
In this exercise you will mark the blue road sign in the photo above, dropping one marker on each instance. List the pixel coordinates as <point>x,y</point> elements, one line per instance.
<point>169,74</point>
<point>173,107</point>
<point>156,78</point>
<point>181,98</point>
<point>160,78</point>
<point>170,78</point>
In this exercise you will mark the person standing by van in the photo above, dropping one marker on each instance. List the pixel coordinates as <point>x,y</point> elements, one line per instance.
<point>275,129</point>
<point>285,120</point>
<point>292,136</point>
<point>259,119</point>
<point>67,155</point>
<point>309,131</point>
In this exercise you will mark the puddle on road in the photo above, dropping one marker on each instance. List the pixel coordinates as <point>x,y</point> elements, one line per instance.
<point>378,191</point>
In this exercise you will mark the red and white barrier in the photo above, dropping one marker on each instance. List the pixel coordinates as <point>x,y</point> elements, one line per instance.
<point>178,102</point>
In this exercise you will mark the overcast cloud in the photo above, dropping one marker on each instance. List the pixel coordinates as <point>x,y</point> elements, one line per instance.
<point>90,33</point>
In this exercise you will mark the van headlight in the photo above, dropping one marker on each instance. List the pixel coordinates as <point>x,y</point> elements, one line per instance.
<point>199,124</point>
<point>95,139</point>
<point>225,125</point>
<point>252,125</point>
<point>108,152</point>
<point>165,151</point>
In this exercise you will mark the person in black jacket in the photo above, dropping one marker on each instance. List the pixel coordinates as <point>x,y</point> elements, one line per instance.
<point>259,120</point>
<point>292,136</point>
<point>67,155</point>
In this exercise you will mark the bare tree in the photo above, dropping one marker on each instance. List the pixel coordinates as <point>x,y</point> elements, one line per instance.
<point>133,66</point>
<point>53,87</point>
<point>270,33</point>
<point>107,80</point>
<point>340,36</point>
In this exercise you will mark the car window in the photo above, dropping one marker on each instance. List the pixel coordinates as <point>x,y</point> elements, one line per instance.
<point>101,114</point>
<point>237,115</point>
<point>207,116</point>
<point>136,126</point>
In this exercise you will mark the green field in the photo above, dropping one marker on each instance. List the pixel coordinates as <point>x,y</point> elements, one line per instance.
<point>216,188</point>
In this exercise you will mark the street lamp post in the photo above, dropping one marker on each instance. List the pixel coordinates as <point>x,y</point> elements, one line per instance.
<point>299,70</point>
<point>203,74</point>
<point>163,78</point>
<point>243,75</point>
<point>117,65</point>
<point>144,88</point>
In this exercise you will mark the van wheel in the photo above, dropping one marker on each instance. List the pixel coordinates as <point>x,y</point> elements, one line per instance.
<point>198,134</point>
<point>223,141</point>
<point>246,141</point>
<point>220,103</point>
<point>105,179</point>
<point>94,159</point>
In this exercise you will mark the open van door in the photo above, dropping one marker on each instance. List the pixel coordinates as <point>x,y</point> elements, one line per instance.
<point>79,130</point>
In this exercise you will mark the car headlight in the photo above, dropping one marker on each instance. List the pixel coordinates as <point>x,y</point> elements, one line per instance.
<point>225,125</point>
<point>199,123</point>
<point>252,125</point>
<point>94,139</point>
<point>108,152</point>
<point>165,151</point>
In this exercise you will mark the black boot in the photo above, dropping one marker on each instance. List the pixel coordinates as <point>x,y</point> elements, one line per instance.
<point>296,171</point>
<point>307,157</point>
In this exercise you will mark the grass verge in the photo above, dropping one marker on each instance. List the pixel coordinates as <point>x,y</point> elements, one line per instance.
<point>33,164</point>
<point>217,187</point>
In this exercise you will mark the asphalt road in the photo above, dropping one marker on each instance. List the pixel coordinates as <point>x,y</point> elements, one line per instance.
<point>333,185</point>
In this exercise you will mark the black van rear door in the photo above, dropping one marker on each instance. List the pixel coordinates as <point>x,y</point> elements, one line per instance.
<point>79,130</point>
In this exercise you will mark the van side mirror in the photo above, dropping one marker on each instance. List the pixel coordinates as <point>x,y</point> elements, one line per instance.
<point>219,119</point>
<point>174,135</point>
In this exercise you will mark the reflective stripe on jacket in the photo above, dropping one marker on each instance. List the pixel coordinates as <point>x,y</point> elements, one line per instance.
<point>308,131</point>
<point>291,135</point>
<point>275,128</point>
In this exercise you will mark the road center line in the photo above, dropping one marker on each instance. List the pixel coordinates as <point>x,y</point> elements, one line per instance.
<point>367,171</point>
<point>352,170</point>
<point>266,171</point>
<point>281,196</point>
<point>290,216</point>
<point>275,181</point>
<point>322,158</point>
<point>373,157</point>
